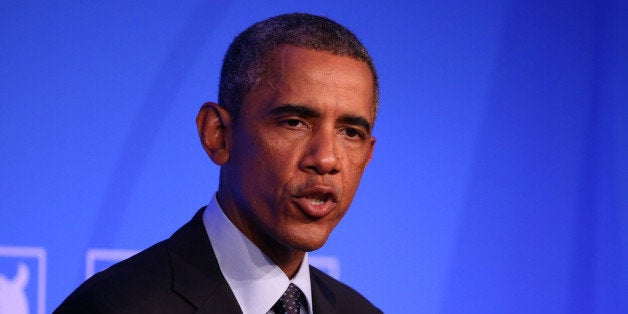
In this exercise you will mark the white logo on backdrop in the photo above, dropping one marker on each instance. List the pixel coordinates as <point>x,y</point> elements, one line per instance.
<point>12,294</point>
<point>16,280</point>
<point>94,257</point>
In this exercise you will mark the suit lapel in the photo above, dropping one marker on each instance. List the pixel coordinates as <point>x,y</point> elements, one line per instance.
<point>323,299</point>
<point>195,271</point>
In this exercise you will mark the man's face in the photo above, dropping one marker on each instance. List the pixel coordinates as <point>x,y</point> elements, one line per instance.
<point>300,145</point>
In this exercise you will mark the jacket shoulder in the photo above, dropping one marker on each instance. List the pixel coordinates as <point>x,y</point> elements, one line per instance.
<point>139,282</point>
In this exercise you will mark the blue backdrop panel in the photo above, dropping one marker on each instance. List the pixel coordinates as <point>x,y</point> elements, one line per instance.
<point>499,183</point>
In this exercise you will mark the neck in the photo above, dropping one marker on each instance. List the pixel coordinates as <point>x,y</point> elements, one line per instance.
<point>287,258</point>
<point>289,262</point>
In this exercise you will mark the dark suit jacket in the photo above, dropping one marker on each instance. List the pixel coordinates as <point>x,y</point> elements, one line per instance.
<point>181,275</point>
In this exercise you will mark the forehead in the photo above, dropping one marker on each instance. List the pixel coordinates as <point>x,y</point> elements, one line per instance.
<point>319,74</point>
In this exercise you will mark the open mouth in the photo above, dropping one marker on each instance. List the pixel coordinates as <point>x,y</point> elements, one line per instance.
<point>316,201</point>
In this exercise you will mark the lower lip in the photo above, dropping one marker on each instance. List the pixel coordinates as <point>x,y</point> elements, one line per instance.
<point>314,210</point>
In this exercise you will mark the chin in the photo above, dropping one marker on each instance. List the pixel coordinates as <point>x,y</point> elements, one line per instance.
<point>305,241</point>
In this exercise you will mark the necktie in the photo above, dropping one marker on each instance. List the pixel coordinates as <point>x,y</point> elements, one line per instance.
<point>290,302</point>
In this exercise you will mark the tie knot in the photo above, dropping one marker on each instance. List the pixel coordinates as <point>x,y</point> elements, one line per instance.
<point>290,302</point>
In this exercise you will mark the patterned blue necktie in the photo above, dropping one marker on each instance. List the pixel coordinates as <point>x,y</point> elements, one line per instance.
<point>290,302</point>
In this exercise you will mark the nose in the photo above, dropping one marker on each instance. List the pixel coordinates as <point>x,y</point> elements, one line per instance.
<point>321,154</point>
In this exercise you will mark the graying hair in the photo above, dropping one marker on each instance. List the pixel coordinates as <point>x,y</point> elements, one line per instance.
<point>247,55</point>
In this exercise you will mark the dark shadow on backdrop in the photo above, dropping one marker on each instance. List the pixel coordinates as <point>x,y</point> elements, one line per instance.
<point>528,238</point>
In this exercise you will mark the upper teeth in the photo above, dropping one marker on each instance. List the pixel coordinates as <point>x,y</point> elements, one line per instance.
<point>316,201</point>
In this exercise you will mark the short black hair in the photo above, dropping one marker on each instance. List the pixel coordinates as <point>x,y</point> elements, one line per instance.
<point>247,55</point>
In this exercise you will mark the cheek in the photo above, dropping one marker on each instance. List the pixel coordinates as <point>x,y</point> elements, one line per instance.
<point>356,161</point>
<point>353,170</point>
<point>274,157</point>
<point>271,162</point>
<point>280,151</point>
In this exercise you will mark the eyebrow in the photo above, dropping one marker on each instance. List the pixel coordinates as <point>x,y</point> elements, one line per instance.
<point>307,112</point>
<point>297,110</point>
<point>356,120</point>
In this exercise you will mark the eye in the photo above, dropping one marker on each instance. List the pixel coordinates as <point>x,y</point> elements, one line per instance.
<point>353,133</point>
<point>293,123</point>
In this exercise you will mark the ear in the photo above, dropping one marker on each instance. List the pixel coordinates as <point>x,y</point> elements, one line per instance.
<point>214,129</point>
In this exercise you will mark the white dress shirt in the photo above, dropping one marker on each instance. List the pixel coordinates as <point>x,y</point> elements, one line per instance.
<point>255,280</point>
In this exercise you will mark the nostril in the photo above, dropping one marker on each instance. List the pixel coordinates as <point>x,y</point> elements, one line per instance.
<point>323,170</point>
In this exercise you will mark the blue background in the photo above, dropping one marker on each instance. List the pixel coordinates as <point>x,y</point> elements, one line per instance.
<point>499,183</point>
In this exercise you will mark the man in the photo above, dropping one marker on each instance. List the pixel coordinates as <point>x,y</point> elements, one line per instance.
<point>292,135</point>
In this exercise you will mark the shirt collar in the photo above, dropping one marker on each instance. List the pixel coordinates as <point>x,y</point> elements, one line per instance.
<point>255,280</point>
